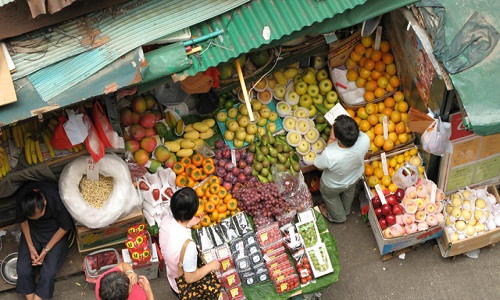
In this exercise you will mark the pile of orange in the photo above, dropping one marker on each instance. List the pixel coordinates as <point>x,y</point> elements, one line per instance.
<point>215,202</point>
<point>370,120</point>
<point>373,70</point>
<point>191,170</point>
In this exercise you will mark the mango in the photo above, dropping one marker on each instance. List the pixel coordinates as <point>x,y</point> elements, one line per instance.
<point>200,126</point>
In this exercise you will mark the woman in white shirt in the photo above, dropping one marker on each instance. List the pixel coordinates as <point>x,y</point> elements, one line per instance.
<point>175,229</point>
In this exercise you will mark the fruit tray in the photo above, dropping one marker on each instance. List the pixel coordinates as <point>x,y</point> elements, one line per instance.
<point>319,260</point>
<point>223,128</point>
<point>309,233</point>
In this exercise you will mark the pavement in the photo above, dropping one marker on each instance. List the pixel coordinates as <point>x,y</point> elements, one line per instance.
<point>419,274</point>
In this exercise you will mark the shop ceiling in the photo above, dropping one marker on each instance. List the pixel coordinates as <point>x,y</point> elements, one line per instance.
<point>67,81</point>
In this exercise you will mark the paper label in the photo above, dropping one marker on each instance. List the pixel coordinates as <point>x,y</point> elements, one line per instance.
<point>92,170</point>
<point>378,38</point>
<point>383,158</point>
<point>233,157</point>
<point>385,123</point>
<point>380,194</point>
<point>336,111</point>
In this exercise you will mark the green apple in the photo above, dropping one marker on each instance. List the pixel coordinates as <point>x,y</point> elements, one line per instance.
<point>273,116</point>
<point>271,127</point>
<point>221,116</point>
<point>292,98</point>
<point>302,125</point>
<point>301,88</point>
<point>229,135</point>
<point>251,128</point>
<point>289,123</point>
<point>309,158</point>
<point>240,134</point>
<point>312,135</point>
<point>232,113</point>
<point>283,108</point>
<point>313,90</point>
<point>250,137</point>
<point>301,112</point>
<point>264,112</point>
<point>328,105</point>
<point>312,111</point>
<point>319,61</point>
<point>325,85</point>
<point>331,97</point>
<point>279,92</point>
<point>238,143</point>
<point>322,74</point>
<point>305,101</point>
<point>318,99</point>
<point>297,78</point>
<point>243,121</point>
<point>232,125</point>
<point>262,122</point>
<point>309,77</point>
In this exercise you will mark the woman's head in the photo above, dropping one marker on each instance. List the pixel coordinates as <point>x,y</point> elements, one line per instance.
<point>184,204</point>
<point>346,130</point>
<point>33,204</point>
<point>114,286</point>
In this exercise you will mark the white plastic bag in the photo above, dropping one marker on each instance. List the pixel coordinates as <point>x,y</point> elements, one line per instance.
<point>123,199</point>
<point>75,128</point>
<point>436,138</point>
<point>405,176</point>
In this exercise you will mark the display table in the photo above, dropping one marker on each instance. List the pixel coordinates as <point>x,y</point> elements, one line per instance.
<point>267,290</point>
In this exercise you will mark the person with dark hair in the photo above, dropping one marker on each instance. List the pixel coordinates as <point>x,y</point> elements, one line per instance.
<point>122,283</point>
<point>342,162</point>
<point>44,222</point>
<point>175,229</point>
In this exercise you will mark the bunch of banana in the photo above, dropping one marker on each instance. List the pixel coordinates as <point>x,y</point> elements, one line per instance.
<point>32,150</point>
<point>5,134</point>
<point>53,122</point>
<point>18,132</point>
<point>76,148</point>
<point>46,134</point>
<point>4,163</point>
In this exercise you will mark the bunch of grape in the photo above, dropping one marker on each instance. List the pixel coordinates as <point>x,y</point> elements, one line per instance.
<point>261,199</point>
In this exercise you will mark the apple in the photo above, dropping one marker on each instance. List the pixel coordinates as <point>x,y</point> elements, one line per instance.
<point>262,122</point>
<point>301,88</point>
<point>293,138</point>
<point>411,207</point>
<point>273,116</point>
<point>376,202</point>
<point>297,78</point>
<point>319,61</point>
<point>328,105</point>
<point>271,127</point>
<point>303,147</point>
<point>383,223</point>
<point>232,113</point>
<point>238,143</point>
<point>221,116</point>
<point>313,90</point>
<point>251,128</point>
<point>397,209</point>
<point>400,194</point>
<point>283,108</point>
<point>386,209</point>
<point>325,85</point>
<point>229,135</point>
<point>305,101</point>
<point>331,97</point>
<point>241,134</point>
<point>232,125</point>
<point>289,123</point>
<point>319,145</point>
<point>292,97</point>
<point>378,212</point>
<point>309,158</point>
<point>243,121</point>
<point>318,99</point>
<point>279,92</point>
<point>309,77</point>
<point>321,74</point>
<point>391,199</point>
<point>312,112</point>
<point>390,219</point>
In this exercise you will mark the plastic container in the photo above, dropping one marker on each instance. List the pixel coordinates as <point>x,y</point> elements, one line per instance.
<point>230,279</point>
<point>236,293</point>
<point>287,284</point>
<point>269,234</point>
<point>262,273</point>
<point>252,248</point>
<point>283,273</point>
<point>271,247</point>
<point>309,233</point>
<point>249,238</point>
<point>249,278</point>
<point>279,262</point>
<point>286,217</point>
<point>243,264</point>
<point>271,255</point>
<point>226,264</point>
<point>256,258</point>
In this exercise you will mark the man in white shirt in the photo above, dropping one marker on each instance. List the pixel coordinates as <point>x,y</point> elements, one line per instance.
<point>342,163</point>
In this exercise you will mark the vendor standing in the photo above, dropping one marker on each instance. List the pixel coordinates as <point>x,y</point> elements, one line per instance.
<point>44,222</point>
<point>342,162</point>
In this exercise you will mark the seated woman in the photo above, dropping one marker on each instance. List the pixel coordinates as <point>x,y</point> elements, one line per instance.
<point>122,283</point>
<point>44,223</point>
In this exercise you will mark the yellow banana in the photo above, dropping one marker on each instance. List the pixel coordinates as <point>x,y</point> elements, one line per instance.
<point>49,147</point>
<point>27,151</point>
<point>6,163</point>
<point>33,152</point>
<point>38,151</point>
<point>80,146</point>
<point>4,135</point>
<point>71,150</point>
<point>76,149</point>
<point>3,166</point>
<point>21,135</point>
<point>16,137</point>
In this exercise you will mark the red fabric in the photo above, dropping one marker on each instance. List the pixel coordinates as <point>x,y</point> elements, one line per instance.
<point>136,294</point>
<point>214,73</point>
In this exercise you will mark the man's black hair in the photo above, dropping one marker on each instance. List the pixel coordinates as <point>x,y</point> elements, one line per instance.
<point>114,286</point>
<point>31,201</point>
<point>346,130</point>
<point>184,204</point>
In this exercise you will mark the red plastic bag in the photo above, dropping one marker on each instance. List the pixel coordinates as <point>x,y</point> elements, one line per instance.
<point>102,125</point>
<point>93,142</point>
<point>59,138</point>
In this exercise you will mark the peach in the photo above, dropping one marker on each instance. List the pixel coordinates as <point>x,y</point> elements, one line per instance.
<point>399,220</point>
<point>422,226</point>
<point>420,203</point>
<point>422,191</point>
<point>411,207</point>
<point>408,219</point>
<point>430,208</point>
<point>387,233</point>
<point>420,216</point>
<point>396,230</point>
<point>411,228</point>
<point>431,220</point>
<point>411,192</point>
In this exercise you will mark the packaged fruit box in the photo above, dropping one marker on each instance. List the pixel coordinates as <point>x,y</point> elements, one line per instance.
<point>319,260</point>
<point>309,233</point>
<point>241,131</point>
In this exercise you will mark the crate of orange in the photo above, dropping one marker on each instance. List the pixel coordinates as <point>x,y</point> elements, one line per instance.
<point>363,72</point>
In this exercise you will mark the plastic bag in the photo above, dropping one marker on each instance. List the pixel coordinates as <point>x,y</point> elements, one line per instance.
<point>75,128</point>
<point>123,198</point>
<point>293,188</point>
<point>59,138</point>
<point>93,142</point>
<point>405,176</point>
<point>436,138</point>
<point>108,136</point>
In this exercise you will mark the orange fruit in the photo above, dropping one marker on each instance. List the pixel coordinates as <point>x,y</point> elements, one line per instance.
<point>221,207</point>
<point>361,113</point>
<point>380,66</point>
<point>369,64</point>
<point>360,82</point>
<point>214,216</point>
<point>372,119</point>
<point>378,129</point>
<point>388,145</point>
<point>364,73</point>
<point>360,49</point>
<point>350,112</point>
<point>370,134</point>
<point>350,64</point>
<point>368,170</point>
<point>382,82</point>
<point>381,106</point>
<point>407,129</point>
<point>390,69</point>
<point>387,58</point>
<point>355,57</point>
<point>376,55</point>
<point>379,140</point>
<point>368,52</point>
<point>393,187</point>
<point>398,96</point>
<point>403,138</point>
<point>391,126</point>
<point>205,221</point>
<point>379,173</point>
<point>357,119</point>
<point>373,148</point>
<point>369,96</point>
<point>362,61</point>
<point>209,206</point>
<point>371,108</point>
<point>351,75</point>
<point>384,46</point>
<point>379,92</point>
<point>389,102</point>
<point>371,85</point>
<point>394,81</point>
<point>393,137</point>
<point>396,116</point>
<point>364,125</point>
<point>389,88</point>
<point>387,111</point>
<point>404,117</point>
<point>375,75</point>
<point>402,106</point>
<point>386,180</point>
<point>366,41</point>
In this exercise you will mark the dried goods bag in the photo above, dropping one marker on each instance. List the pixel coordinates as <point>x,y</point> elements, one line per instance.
<point>122,199</point>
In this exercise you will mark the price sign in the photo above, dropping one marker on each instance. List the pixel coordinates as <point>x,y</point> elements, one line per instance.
<point>385,123</point>
<point>380,194</point>
<point>233,157</point>
<point>92,170</point>
<point>383,158</point>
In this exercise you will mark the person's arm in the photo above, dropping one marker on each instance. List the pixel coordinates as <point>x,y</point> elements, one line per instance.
<point>199,273</point>
<point>25,228</point>
<point>127,269</point>
<point>144,284</point>
<point>331,138</point>
<point>52,242</point>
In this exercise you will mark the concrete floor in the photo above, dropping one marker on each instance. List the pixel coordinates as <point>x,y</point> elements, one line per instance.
<point>422,274</point>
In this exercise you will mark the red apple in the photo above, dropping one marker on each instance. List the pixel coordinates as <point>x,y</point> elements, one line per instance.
<point>391,199</point>
<point>386,209</point>
<point>400,194</point>
<point>397,209</point>
<point>376,202</point>
<point>378,212</point>
<point>383,223</point>
<point>390,219</point>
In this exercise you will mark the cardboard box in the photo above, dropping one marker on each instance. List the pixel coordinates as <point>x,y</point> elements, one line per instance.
<point>116,244</point>
<point>449,248</point>
<point>150,270</point>
<point>93,239</point>
<point>386,246</point>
